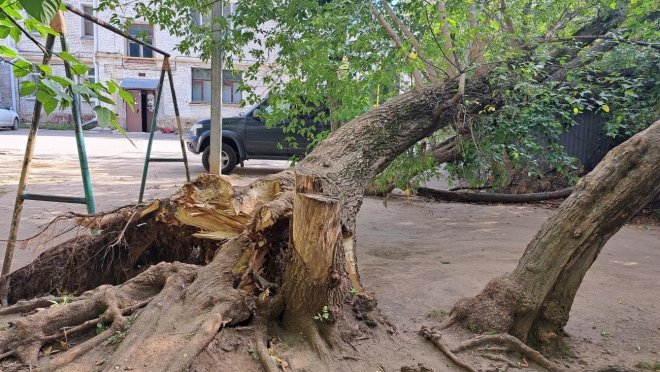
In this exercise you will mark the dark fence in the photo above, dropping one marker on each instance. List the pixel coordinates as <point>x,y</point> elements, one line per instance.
<point>587,140</point>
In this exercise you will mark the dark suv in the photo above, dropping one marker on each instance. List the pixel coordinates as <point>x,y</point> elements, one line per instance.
<point>247,137</point>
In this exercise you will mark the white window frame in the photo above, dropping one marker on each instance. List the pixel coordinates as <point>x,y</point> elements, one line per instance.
<point>84,21</point>
<point>142,48</point>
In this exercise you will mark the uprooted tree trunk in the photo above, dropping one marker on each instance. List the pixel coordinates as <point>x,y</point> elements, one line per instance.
<point>282,248</point>
<point>533,302</point>
<point>285,250</point>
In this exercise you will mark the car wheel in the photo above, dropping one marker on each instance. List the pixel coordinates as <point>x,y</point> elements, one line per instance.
<point>15,126</point>
<point>228,158</point>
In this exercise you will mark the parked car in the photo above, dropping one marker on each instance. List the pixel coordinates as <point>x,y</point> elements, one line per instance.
<point>8,117</point>
<point>246,137</point>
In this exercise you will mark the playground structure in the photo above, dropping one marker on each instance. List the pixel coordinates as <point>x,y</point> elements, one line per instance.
<point>59,26</point>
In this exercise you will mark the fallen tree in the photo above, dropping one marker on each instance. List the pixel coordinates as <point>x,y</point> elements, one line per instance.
<point>286,249</point>
<point>286,252</point>
<point>492,197</point>
<point>281,253</point>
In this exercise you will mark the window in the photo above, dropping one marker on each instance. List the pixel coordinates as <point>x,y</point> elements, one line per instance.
<point>202,19</point>
<point>87,27</point>
<point>206,19</point>
<point>144,33</point>
<point>230,82</point>
<point>201,85</point>
<point>91,75</point>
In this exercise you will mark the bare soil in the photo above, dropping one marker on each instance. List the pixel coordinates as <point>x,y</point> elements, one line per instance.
<point>418,257</point>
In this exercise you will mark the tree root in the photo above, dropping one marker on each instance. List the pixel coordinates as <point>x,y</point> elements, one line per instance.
<point>499,358</point>
<point>261,336</point>
<point>25,336</point>
<point>201,339</point>
<point>27,306</point>
<point>506,342</point>
<point>512,344</point>
<point>435,337</point>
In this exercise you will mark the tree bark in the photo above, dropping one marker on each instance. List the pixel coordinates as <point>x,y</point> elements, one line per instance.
<point>492,197</point>
<point>533,302</point>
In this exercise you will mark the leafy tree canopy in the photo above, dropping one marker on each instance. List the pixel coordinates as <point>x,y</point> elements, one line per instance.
<point>350,56</point>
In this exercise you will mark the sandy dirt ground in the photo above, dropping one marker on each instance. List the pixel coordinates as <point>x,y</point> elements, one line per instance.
<point>418,257</point>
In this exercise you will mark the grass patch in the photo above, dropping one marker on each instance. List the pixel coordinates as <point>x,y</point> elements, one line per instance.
<point>53,126</point>
<point>653,366</point>
<point>436,314</point>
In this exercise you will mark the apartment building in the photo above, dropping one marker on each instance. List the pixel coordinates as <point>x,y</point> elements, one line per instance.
<point>137,69</point>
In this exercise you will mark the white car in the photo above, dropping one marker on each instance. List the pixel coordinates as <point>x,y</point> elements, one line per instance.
<point>8,118</point>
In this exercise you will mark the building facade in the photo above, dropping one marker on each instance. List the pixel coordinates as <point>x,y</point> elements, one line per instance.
<point>135,68</point>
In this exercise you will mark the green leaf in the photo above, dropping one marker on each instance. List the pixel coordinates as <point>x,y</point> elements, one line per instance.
<point>15,34</point>
<point>575,110</point>
<point>613,5</point>
<point>127,97</point>
<point>79,69</point>
<point>7,51</point>
<point>22,68</point>
<point>56,88</point>
<point>63,81</point>
<point>43,30</point>
<point>68,57</point>
<point>112,86</point>
<point>84,90</point>
<point>49,102</point>
<point>606,108</point>
<point>27,88</point>
<point>104,116</point>
<point>105,99</point>
<point>46,69</point>
<point>4,32</point>
<point>42,10</point>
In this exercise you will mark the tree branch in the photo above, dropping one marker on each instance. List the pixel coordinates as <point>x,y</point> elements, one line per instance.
<point>605,37</point>
<point>452,71</point>
<point>430,71</point>
<point>507,20</point>
<point>397,41</point>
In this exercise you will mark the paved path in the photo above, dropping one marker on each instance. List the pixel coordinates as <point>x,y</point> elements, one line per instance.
<point>116,170</point>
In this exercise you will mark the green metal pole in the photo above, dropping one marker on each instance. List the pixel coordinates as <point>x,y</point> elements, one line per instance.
<point>80,139</point>
<point>166,66</point>
<point>25,172</point>
<point>178,124</point>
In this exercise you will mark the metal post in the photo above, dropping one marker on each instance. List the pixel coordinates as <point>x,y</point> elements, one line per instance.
<point>27,161</point>
<point>80,140</point>
<point>215,157</point>
<point>166,66</point>
<point>178,124</point>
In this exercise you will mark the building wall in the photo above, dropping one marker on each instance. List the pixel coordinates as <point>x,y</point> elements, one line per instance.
<point>113,64</point>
